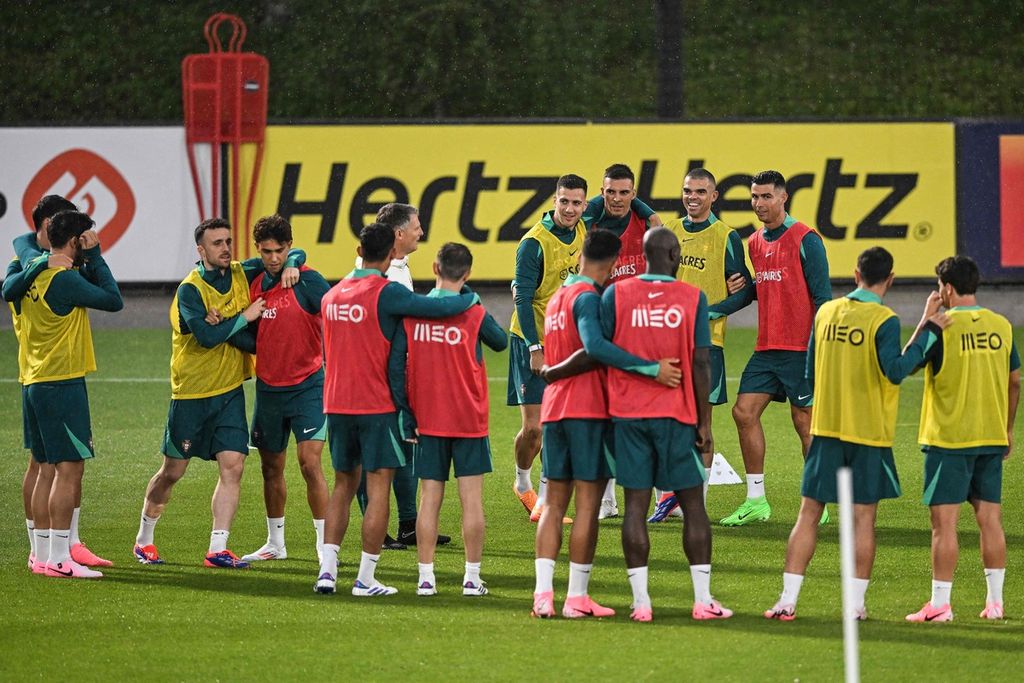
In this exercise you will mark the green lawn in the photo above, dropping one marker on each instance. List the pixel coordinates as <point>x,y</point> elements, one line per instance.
<point>181,621</point>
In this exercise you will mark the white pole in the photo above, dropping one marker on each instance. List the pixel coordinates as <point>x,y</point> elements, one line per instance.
<point>851,655</point>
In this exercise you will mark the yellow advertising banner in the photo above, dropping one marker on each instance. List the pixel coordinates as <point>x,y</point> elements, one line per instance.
<point>859,184</point>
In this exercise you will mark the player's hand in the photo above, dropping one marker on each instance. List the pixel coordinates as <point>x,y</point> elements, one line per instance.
<point>536,361</point>
<point>940,319</point>
<point>289,277</point>
<point>255,310</point>
<point>213,317</point>
<point>59,261</point>
<point>705,440</point>
<point>735,283</point>
<point>1009,444</point>
<point>932,305</point>
<point>669,373</point>
<point>89,239</point>
<point>654,221</point>
<point>414,439</point>
<point>544,373</point>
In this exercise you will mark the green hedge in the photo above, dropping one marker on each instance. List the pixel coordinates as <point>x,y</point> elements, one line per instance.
<point>106,62</point>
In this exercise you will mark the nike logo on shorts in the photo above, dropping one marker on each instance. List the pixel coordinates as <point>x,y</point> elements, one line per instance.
<point>801,398</point>
<point>307,431</point>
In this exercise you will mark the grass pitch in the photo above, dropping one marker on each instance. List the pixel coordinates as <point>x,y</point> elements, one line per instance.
<point>180,621</point>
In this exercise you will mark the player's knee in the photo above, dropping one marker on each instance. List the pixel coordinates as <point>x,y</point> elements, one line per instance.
<point>272,468</point>
<point>742,415</point>
<point>311,471</point>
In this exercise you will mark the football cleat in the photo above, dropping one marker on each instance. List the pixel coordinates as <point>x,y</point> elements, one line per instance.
<point>82,555</point>
<point>781,611</point>
<point>38,567</point>
<point>527,498</point>
<point>929,613</point>
<point>641,613</point>
<point>715,610</point>
<point>376,589</point>
<point>225,559</point>
<point>267,552</point>
<point>71,570</point>
<point>474,589</point>
<point>752,510</point>
<point>580,606</point>
<point>993,610</point>
<point>147,554</point>
<point>426,588</point>
<point>391,544</point>
<point>665,505</point>
<point>325,584</point>
<point>543,605</point>
<point>609,509</point>
<point>539,509</point>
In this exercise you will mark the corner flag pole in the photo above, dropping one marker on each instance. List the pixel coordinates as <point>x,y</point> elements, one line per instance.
<point>851,646</point>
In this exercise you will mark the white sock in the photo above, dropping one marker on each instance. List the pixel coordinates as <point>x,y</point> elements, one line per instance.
<point>146,527</point>
<point>609,492</point>
<point>994,579</point>
<point>275,531</point>
<point>638,582</point>
<point>941,592</point>
<point>60,548</point>
<point>472,574</point>
<point>219,540</point>
<point>523,483</point>
<point>701,575</point>
<point>30,525</point>
<point>860,589</point>
<point>542,491</point>
<point>74,539</point>
<point>318,524</point>
<point>707,483</point>
<point>791,584</point>
<point>367,568</point>
<point>579,579</point>
<point>427,573</point>
<point>329,563</point>
<point>545,570</point>
<point>42,544</point>
<point>755,485</point>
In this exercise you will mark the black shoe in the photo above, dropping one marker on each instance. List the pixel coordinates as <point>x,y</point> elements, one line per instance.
<point>392,544</point>
<point>407,535</point>
<point>443,540</point>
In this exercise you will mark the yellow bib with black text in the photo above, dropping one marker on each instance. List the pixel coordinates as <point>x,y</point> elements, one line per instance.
<point>53,347</point>
<point>560,261</point>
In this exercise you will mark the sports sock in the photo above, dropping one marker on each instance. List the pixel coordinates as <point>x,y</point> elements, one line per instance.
<point>146,527</point>
<point>42,544</point>
<point>791,584</point>
<point>219,540</point>
<point>579,579</point>
<point>523,483</point>
<point>318,524</point>
<point>638,582</point>
<point>74,539</point>
<point>427,573</point>
<point>472,574</point>
<point>701,575</point>
<point>545,570</point>
<point>755,486</point>
<point>542,491</point>
<point>60,548</point>
<point>329,563</point>
<point>941,592</point>
<point>367,568</point>
<point>707,483</point>
<point>275,531</point>
<point>31,526</point>
<point>609,491</point>
<point>860,589</point>
<point>994,579</point>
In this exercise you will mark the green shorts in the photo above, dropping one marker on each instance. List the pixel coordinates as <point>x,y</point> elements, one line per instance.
<point>873,468</point>
<point>434,455</point>
<point>657,452</point>
<point>300,411</point>
<point>577,449</point>
<point>57,418</point>
<point>26,432</point>
<point>524,387</point>
<point>783,374</point>
<point>950,478</point>
<point>203,427</point>
<point>368,441</point>
<point>719,392</point>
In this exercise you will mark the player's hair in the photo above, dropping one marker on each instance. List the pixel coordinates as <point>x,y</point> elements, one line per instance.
<point>210,224</point>
<point>67,225</point>
<point>701,174</point>
<point>48,207</point>
<point>619,172</point>
<point>454,260</point>
<point>959,271</point>
<point>396,216</point>
<point>875,265</point>
<point>601,245</point>
<point>272,228</point>
<point>571,181</point>
<point>770,178</point>
<point>376,239</point>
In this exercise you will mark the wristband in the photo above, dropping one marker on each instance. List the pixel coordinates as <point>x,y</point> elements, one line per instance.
<point>535,347</point>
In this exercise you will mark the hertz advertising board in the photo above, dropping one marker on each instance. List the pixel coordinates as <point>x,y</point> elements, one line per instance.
<point>860,184</point>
